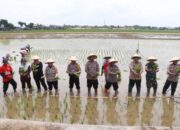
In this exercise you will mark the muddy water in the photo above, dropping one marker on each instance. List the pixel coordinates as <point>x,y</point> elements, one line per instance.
<point>100,110</point>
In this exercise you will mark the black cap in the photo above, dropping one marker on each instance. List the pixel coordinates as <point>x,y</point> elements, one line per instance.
<point>5,60</point>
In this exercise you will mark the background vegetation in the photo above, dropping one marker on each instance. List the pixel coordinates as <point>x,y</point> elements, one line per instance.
<point>24,27</point>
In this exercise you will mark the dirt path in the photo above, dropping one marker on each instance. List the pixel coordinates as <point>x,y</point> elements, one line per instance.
<point>69,35</point>
<point>8,124</point>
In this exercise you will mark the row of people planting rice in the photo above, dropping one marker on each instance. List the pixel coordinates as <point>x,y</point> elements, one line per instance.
<point>49,78</point>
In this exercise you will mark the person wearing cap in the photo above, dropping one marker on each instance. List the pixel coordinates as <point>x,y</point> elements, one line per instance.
<point>24,72</point>
<point>74,70</point>
<point>6,72</point>
<point>37,69</point>
<point>105,66</point>
<point>113,76</point>
<point>51,73</point>
<point>8,57</point>
<point>151,70</point>
<point>136,70</point>
<point>92,70</point>
<point>173,76</point>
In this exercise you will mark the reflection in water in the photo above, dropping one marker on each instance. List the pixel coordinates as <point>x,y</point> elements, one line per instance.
<point>132,111</point>
<point>96,111</point>
<point>40,107</point>
<point>91,113</point>
<point>54,108</point>
<point>168,112</point>
<point>12,106</point>
<point>112,115</point>
<point>28,106</point>
<point>75,110</point>
<point>147,112</point>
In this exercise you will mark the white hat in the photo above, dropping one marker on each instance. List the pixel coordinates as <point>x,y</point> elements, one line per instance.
<point>152,58</point>
<point>112,60</point>
<point>73,58</point>
<point>49,61</point>
<point>35,57</point>
<point>175,59</point>
<point>136,56</point>
<point>92,54</point>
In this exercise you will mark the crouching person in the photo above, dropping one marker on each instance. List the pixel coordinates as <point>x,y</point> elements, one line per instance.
<point>51,74</point>
<point>74,71</point>
<point>24,71</point>
<point>92,70</point>
<point>113,76</point>
<point>151,70</point>
<point>37,69</point>
<point>6,72</point>
<point>173,76</point>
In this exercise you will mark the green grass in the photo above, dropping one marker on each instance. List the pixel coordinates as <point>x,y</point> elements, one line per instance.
<point>94,30</point>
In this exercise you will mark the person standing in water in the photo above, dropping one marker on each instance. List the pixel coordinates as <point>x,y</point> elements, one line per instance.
<point>113,76</point>
<point>24,71</point>
<point>104,68</point>
<point>173,72</point>
<point>151,70</point>
<point>37,69</point>
<point>92,70</point>
<point>6,72</point>
<point>136,70</point>
<point>74,71</point>
<point>51,74</point>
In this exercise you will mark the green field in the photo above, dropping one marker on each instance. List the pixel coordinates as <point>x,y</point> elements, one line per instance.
<point>94,30</point>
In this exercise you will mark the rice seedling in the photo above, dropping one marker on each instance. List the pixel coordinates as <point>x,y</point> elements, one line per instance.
<point>178,69</point>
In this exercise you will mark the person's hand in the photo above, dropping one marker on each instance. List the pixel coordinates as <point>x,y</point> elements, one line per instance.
<point>177,74</point>
<point>77,73</point>
<point>150,70</point>
<point>97,74</point>
<point>71,73</point>
<point>136,74</point>
<point>119,79</point>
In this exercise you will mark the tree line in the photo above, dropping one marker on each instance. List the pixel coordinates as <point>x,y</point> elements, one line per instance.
<point>5,25</point>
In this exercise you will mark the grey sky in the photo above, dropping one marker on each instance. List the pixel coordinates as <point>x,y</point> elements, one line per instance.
<point>93,12</point>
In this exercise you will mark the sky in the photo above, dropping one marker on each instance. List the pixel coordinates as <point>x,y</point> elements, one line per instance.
<point>93,12</point>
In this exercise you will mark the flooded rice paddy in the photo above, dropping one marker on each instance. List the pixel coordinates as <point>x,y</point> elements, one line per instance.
<point>99,110</point>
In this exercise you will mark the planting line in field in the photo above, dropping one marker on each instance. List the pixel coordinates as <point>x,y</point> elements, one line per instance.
<point>121,58</point>
<point>62,56</point>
